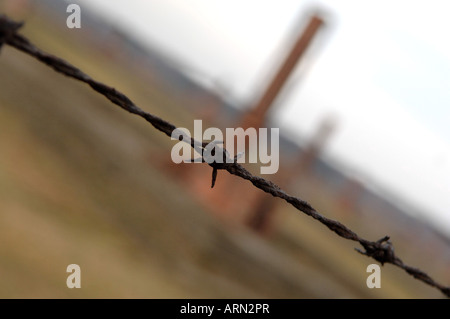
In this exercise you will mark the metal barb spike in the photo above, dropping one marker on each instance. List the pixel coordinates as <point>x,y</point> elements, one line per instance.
<point>214,177</point>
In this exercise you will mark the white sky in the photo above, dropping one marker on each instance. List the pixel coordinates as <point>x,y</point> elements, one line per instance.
<point>382,68</point>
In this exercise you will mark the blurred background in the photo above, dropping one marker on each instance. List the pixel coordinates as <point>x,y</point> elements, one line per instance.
<point>358,89</point>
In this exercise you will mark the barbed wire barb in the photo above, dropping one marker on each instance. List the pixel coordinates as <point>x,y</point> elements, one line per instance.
<point>381,250</point>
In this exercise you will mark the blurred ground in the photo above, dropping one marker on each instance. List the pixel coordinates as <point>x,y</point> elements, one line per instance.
<point>81,182</point>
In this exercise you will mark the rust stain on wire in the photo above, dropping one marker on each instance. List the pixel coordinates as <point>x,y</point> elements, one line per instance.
<point>381,250</point>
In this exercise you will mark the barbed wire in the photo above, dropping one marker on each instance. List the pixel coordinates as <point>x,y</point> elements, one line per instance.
<point>381,250</point>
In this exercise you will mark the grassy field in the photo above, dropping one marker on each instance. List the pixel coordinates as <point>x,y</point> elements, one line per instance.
<point>81,182</point>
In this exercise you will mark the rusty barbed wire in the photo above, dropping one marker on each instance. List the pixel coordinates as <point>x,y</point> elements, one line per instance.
<point>381,250</point>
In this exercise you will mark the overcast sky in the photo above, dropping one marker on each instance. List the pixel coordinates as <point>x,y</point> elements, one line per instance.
<point>382,68</point>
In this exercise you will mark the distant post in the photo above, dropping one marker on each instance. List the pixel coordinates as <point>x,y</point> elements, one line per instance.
<point>256,116</point>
